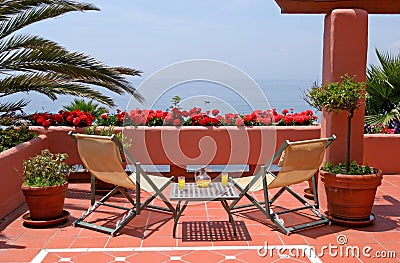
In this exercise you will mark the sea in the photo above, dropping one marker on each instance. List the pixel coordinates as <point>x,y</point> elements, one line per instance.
<point>265,94</point>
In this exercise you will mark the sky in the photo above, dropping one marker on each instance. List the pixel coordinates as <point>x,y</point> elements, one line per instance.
<point>250,34</point>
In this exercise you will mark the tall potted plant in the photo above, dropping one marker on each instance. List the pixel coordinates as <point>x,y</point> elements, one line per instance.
<point>350,188</point>
<point>44,186</point>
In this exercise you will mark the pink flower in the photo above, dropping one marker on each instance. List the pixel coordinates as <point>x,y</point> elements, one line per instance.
<point>169,118</point>
<point>239,122</point>
<point>266,121</point>
<point>137,119</point>
<point>177,122</point>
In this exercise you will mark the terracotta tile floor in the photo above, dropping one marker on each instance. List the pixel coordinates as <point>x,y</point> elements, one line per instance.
<point>204,235</point>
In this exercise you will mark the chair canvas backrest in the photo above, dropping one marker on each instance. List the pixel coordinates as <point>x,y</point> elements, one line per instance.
<point>301,161</point>
<point>101,156</point>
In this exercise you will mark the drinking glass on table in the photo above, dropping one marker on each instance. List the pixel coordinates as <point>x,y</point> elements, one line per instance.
<point>224,179</point>
<point>181,182</point>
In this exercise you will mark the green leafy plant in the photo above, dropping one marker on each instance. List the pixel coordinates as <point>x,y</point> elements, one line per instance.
<point>336,97</point>
<point>46,169</point>
<point>107,119</point>
<point>383,90</point>
<point>341,168</point>
<point>175,102</point>
<point>108,131</point>
<point>11,137</point>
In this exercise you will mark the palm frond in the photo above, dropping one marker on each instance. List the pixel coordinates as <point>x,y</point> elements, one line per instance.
<point>75,67</point>
<point>383,84</point>
<point>22,41</point>
<point>8,107</point>
<point>50,85</point>
<point>127,71</point>
<point>31,63</point>
<point>26,15</point>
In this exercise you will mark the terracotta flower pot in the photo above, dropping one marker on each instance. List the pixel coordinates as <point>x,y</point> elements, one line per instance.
<point>350,197</point>
<point>45,203</point>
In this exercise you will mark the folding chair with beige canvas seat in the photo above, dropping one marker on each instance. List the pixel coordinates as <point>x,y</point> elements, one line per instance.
<point>101,156</point>
<point>299,161</point>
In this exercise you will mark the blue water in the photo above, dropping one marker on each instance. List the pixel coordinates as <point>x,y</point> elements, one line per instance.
<point>280,94</point>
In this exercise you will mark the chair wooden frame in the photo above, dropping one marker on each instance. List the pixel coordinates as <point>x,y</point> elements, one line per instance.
<point>137,204</point>
<point>266,209</point>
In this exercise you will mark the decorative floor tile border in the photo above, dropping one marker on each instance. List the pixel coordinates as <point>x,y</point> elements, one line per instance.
<point>276,252</point>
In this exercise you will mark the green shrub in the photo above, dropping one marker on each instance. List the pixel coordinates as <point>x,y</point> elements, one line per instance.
<point>11,137</point>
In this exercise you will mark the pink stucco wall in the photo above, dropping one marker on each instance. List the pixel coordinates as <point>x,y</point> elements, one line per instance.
<point>11,163</point>
<point>192,145</point>
<point>381,151</point>
<point>60,141</point>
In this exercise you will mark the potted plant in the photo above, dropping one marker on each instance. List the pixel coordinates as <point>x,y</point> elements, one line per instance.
<point>350,188</point>
<point>44,186</point>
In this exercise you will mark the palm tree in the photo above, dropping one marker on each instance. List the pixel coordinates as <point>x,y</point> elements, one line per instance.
<point>32,63</point>
<point>383,90</point>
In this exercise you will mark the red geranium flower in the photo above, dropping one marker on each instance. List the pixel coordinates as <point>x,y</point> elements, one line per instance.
<point>185,113</point>
<point>58,118</point>
<point>46,123</point>
<point>288,119</point>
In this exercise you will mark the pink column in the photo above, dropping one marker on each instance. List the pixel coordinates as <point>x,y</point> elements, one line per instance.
<point>345,51</point>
